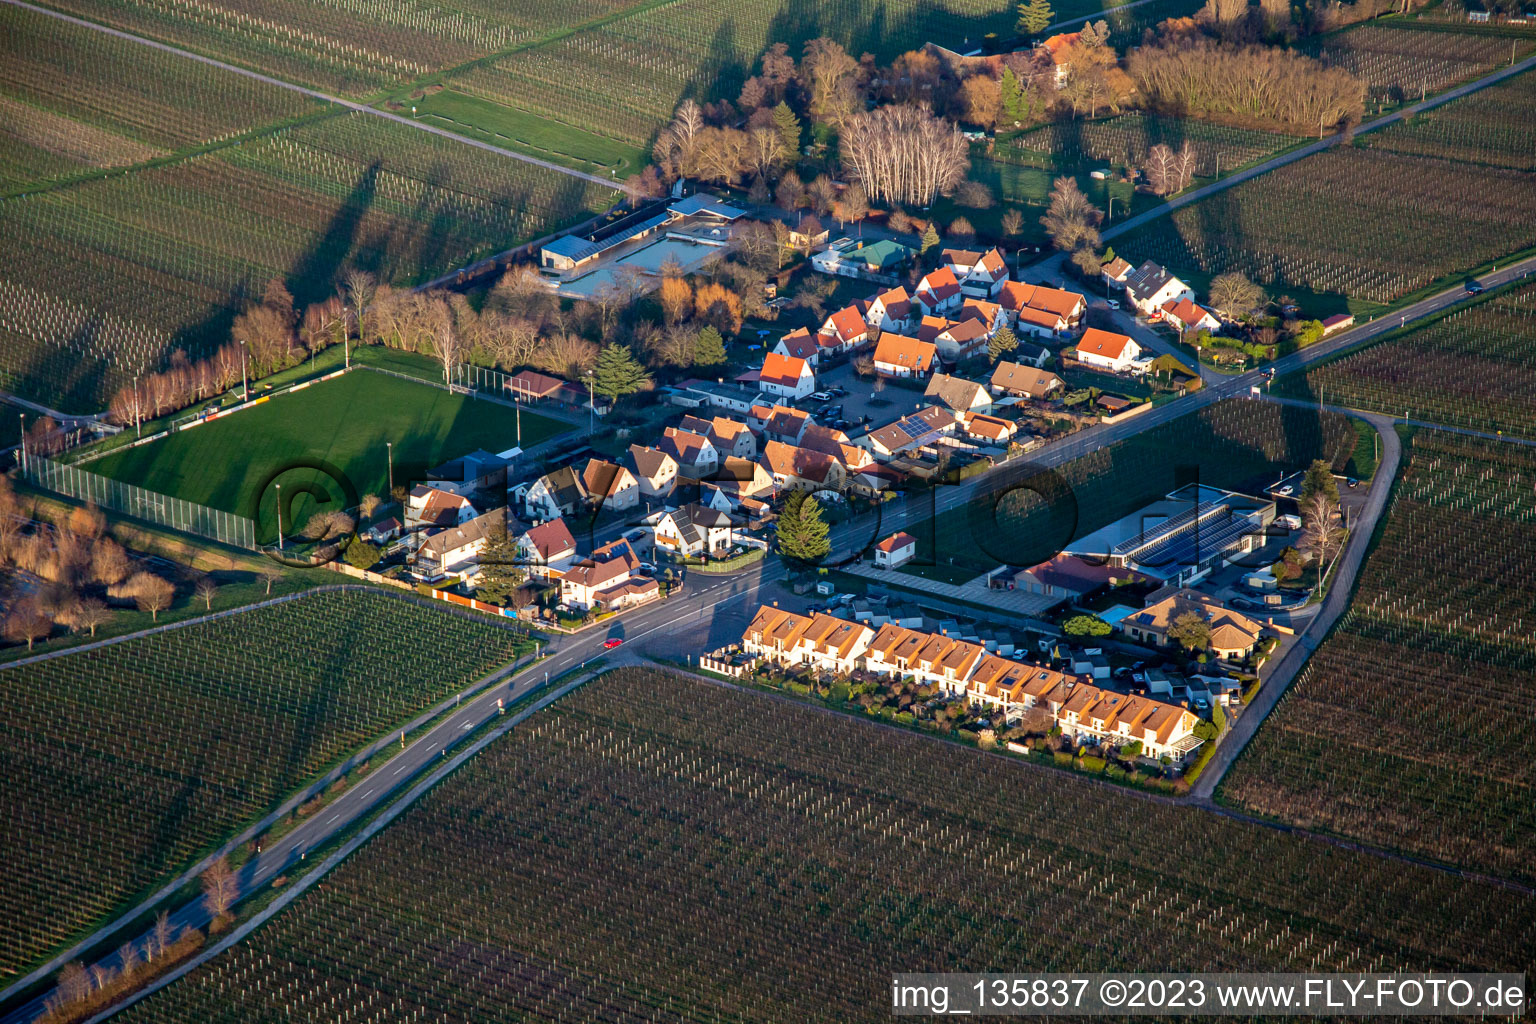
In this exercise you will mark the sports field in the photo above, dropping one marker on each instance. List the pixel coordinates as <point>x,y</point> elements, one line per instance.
<point>341,426</point>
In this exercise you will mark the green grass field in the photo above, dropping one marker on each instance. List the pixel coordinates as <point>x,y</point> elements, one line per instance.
<point>338,429</point>
<point>480,119</point>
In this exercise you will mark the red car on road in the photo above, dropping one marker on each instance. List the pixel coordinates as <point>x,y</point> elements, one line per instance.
<point>611,643</point>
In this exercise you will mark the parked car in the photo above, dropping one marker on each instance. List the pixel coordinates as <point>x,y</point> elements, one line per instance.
<point>611,643</point>
<point>1112,303</point>
<point>839,391</point>
<point>821,396</point>
<point>647,568</point>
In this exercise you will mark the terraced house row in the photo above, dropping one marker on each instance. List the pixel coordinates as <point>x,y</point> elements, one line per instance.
<point>1083,712</point>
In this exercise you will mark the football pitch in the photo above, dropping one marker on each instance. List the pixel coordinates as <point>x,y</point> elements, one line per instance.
<point>330,441</point>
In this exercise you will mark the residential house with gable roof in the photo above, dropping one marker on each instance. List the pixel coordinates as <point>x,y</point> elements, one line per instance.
<point>428,506</point>
<point>895,551</point>
<point>823,642</point>
<point>1115,272</point>
<point>961,340</point>
<point>891,310</point>
<point>957,393</point>
<point>1024,381</point>
<point>833,442</point>
<point>729,436</point>
<point>938,293</point>
<point>1057,51</point>
<point>1036,307</point>
<point>926,426</point>
<point>606,580</point>
<point>654,470</point>
<point>610,486</point>
<point>1185,315</point>
<point>557,493</point>
<point>1107,350</point>
<point>694,454</point>
<point>781,423</point>
<point>844,331</point>
<point>798,344</point>
<point>696,529</point>
<point>547,549</point>
<point>897,355</point>
<point>1150,285</point>
<point>1233,634</point>
<point>801,469</point>
<point>454,550</point>
<point>786,376</point>
<point>981,274</point>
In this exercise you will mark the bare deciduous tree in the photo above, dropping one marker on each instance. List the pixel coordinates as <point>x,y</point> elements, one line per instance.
<point>219,888</point>
<point>902,154</point>
<point>26,622</point>
<point>150,592</point>
<point>89,614</point>
<point>206,589</point>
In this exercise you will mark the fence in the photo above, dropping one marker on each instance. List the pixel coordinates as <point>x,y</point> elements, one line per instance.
<point>150,506</point>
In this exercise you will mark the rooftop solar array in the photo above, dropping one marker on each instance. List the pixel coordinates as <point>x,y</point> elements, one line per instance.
<point>1196,513</point>
<point>1193,545</point>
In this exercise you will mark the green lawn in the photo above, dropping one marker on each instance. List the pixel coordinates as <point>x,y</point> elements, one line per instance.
<point>328,440</point>
<point>517,129</point>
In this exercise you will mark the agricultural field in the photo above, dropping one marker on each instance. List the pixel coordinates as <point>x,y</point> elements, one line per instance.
<point>671,850</point>
<point>1368,225</point>
<point>224,464</point>
<point>1410,727</point>
<point>1125,139</point>
<point>123,764</point>
<point>76,100</point>
<point>1400,64</point>
<point>1491,126</point>
<point>1473,367</point>
<point>1236,444</point>
<point>658,54</point>
<point>346,46</point>
<point>124,270</point>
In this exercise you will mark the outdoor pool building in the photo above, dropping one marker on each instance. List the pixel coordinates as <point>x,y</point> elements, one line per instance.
<point>1181,538</point>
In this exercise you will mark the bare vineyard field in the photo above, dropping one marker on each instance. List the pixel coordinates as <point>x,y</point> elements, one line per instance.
<point>123,763</point>
<point>344,46</point>
<point>1365,223</point>
<point>658,849</point>
<point>80,99</point>
<point>1492,127</point>
<point>126,269</point>
<point>1410,727</point>
<point>652,58</point>
<point>1474,367</point>
<point>1398,63</point>
<point>1125,140</point>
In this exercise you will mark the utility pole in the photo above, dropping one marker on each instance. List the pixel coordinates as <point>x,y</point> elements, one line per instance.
<point>245,387</point>
<point>389,452</point>
<point>23,418</point>
<point>279,517</point>
<point>138,421</point>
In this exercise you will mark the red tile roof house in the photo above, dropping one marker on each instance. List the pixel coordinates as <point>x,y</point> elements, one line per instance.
<point>454,550</point>
<point>891,311</point>
<point>899,356</point>
<point>895,551</point>
<point>547,549</point>
<point>606,580</point>
<point>799,344</point>
<point>1050,306</point>
<point>938,292</point>
<point>781,423</point>
<point>1057,50</point>
<point>786,376</point>
<point>694,454</point>
<point>1185,315</point>
<point>981,274</point>
<point>1115,352</point>
<point>431,506</point>
<point>988,429</point>
<point>844,331</point>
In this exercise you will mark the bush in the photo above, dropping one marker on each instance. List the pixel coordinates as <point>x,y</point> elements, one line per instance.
<point>840,691</point>
<point>362,555</point>
<point>1091,763</point>
<point>1063,758</point>
<point>1131,749</point>
<point>1206,731</point>
<point>1085,625</point>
